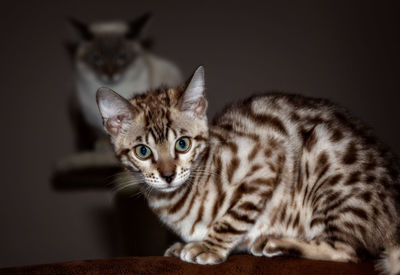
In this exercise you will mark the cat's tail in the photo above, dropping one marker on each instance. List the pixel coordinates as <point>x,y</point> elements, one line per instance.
<point>390,261</point>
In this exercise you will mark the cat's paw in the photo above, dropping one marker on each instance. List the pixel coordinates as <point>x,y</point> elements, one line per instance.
<point>266,246</point>
<point>273,248</point>
<point>258,245</point>
<point>174,250</point>
<point>199,253</point>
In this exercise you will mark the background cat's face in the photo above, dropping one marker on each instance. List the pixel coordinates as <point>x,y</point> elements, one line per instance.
<point>109,48</point>
<point>108,56</point>
<point>160,134</point>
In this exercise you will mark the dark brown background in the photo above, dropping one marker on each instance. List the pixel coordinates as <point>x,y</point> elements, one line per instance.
<point>346,51</point>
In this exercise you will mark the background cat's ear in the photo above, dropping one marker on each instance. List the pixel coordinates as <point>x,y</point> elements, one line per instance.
<point>81,28</point>
<point>193,98</point>
<point>115,110</point>
<point>136,26</point>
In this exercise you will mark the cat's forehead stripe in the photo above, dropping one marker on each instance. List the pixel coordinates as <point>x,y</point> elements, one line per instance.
<point>155,108</point>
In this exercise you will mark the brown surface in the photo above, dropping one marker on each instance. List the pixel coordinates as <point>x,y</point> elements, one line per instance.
<point>236,264</point>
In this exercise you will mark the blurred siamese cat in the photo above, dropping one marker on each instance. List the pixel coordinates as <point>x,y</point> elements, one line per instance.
<point>112,54</point>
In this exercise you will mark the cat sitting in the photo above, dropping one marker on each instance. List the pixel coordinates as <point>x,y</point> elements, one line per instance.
<point>275,174</point>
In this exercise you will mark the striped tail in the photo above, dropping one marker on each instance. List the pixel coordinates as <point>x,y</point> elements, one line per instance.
<point>390,262</point>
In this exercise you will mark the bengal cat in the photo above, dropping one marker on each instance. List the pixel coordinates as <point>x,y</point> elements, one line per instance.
<point>272,175</point>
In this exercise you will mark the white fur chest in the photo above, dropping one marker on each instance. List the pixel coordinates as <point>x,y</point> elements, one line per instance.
<point>185,228</point>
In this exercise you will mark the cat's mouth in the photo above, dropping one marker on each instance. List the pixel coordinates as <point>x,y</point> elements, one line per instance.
<point>164,186</point>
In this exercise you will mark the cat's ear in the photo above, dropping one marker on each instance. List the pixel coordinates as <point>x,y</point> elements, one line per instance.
<point>81,28</point>
<point>193,99</point>
<point>136,26</point>
<point>115,110</point>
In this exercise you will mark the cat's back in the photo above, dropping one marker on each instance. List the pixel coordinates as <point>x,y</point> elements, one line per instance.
<point>282,114</point>
<point>290,115</point>
<point>294,121</point>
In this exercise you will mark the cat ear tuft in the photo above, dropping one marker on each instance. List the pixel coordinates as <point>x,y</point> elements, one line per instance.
<point>136,26</point>
<point>115,110</point>
<point>81,28</point>
<point>193,99</point>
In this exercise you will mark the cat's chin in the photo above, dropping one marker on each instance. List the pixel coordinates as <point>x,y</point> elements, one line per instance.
<point>164,187</point>
<point>168,188</point>
<point>110,80</point>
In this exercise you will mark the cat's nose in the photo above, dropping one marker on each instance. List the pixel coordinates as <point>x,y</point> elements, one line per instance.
<point>168,176</point>
<point>110,70</point>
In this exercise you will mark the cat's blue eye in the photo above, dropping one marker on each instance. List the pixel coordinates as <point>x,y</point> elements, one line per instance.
<point>182,145</point>
<point>142,151</point>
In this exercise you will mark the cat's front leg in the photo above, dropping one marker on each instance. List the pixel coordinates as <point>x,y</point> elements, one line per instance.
<point>215,248</point>
<point>227,232</point>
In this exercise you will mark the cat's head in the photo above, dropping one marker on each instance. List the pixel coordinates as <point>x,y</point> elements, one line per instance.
<point>160,134</point>
<point>108,48</point>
